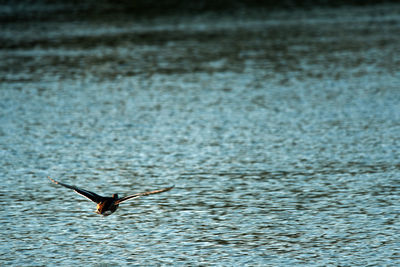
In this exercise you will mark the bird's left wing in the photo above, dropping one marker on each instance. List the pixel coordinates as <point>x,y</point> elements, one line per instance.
<point>143,194</point>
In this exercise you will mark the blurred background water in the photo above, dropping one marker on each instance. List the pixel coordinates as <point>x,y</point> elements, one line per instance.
<point>279,127</point>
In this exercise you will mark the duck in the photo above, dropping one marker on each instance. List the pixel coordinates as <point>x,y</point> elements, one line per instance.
<point>108,205</point>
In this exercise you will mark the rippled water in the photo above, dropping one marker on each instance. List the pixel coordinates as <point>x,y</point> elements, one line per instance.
<point>280,132</point>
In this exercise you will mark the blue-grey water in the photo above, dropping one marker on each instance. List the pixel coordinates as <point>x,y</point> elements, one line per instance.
<point>280,131</point>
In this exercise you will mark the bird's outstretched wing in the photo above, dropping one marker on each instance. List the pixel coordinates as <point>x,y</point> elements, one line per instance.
<point>89,195</point>
<point>143,194</point>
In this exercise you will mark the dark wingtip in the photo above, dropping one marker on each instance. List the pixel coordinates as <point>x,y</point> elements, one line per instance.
<point>169,188</point>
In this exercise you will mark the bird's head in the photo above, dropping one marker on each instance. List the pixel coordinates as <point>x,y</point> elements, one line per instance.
<point>115,196</point>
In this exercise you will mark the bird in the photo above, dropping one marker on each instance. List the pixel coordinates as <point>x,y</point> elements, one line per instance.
<point>108,205</point>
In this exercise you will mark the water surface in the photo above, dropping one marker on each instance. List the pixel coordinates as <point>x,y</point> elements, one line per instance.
<point>279,130</point>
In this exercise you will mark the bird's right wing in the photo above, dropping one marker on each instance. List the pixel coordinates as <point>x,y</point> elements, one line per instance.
<point>89,195</point>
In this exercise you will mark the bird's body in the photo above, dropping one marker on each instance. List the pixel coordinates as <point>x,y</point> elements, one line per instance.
<point>108,205</point>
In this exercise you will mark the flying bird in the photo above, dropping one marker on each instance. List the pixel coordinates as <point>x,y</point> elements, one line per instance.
<point>108,205</point>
